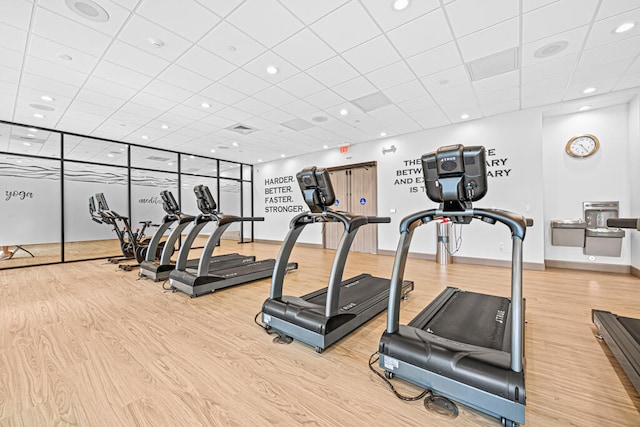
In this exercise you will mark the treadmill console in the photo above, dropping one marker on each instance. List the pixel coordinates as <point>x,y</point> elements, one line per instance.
<point>102,202</point>
<point>206,202</point>
<point>455,176</point>
<point>169,203</point>
<point>316,188</point>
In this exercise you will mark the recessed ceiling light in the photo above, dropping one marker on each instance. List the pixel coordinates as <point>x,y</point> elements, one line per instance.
<point>88,9</point>
<point>18,161</point>
<point>272,69</point>
<point>464,116</point>
<point>38,116</point>
<point>109,155</point>
<point>170,164</point>
<point>589,90</point>
<point>33,130</point>
<point>231,48</point>
<point>235,144</point>
<point>383,134</point>
<point>400,5</point>
<point>325,146</point>
<point>624,27</point>
<point>550,49</point>
<point>122,149</point>
<point>584,108</point>
<point>344,112</point>
<point>205,105</point>
<point>157,43</point>
<point>192,157</point>
<point>46,98</point>
<point>259,160</point>
<point>165,127</point>
<point>64,57</point>
<point>26,143</point>
<point>282,155</point>
<point>145,137</point>
<point>213,150</point>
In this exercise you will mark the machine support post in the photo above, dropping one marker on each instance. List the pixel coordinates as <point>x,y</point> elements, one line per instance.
<point>517,323</point>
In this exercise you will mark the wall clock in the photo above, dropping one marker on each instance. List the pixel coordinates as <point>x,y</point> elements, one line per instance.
<point>582,146</point>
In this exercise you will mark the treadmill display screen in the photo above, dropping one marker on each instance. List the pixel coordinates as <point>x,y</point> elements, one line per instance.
<point>316,188</point>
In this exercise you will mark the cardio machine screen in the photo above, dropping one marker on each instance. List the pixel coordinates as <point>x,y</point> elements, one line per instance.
<point>316,188</point>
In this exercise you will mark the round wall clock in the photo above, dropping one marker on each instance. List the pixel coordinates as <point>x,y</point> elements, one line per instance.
<point>582,146</point>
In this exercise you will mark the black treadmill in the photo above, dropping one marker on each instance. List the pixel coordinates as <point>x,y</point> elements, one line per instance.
<point>158,270</point>
<point>465,346</point>
<point>323,317</point>
<point>621,334</point>
<point>207,277</point>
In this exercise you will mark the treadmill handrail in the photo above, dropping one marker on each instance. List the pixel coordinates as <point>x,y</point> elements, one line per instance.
<point>633,223</point>
<point>351,225</point>
<point>516,223</point>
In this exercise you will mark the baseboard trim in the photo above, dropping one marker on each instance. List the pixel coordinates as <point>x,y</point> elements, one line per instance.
<point>299,244</point>
<point>635,272</point>
<point>587,266</point>
<point>470,260</point>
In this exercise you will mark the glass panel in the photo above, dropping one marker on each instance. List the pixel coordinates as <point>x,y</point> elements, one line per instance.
<point>149,158</point>
<point>229,170</point>
<point>146,203</point>
<point>195,165</point>
<point>25,140</point>
<point>30,206</point>
<point>246,210</point>
<point>246,172</point>
<point>85,238</point>
<point>230,205</point>
<point>94,150</point>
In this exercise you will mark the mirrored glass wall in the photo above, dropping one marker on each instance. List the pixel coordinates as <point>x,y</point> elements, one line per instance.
<point>50,181</point>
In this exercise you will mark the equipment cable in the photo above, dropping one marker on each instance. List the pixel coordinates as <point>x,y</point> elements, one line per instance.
<point>285,339</point>
<point>393,389</point>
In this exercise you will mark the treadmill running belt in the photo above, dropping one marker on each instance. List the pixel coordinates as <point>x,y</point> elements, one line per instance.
<point>472,318</point>
<point>632,326</point>
<point>355,291</point>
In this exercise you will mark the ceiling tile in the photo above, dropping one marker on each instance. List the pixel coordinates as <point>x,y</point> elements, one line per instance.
<point>154,104</point>
<point>499,96</point>
<point>501,81</point>
<point>586,76</point>
<point>244,82</point>
<point>298,108</point>
<point>389,18</point>
<point>11,58</point>
<point>13,38</point>
<point>430,118</point>
<point>195,20</point>
<point>269,59</point>
<point>275,96</point>
<point>355,88</point>
<point>417,104</point>
<point>124,76</point>
<point>635,66</point>
<point>230,43</point>
<point>48,85</point>
<point>222,94</point>
<point>446,79</point>
<point>324,99</point>
<point>560,66</point>
<point>205,63</point>
<point>333,71</point>
<point>49,50</point>
<point>138,31</point>
<point>543,92</point>
<point>346,27</point>
<point>220,7</point>
<point>53,71</point>
<point>277,116</point>
<point>529,5</point>
<point>304,50</point>
<point>106,87</point>
<point>556,18</point>
<point>16,13</point>
<point>629,48</point>
<point>615,7</point>
<point>602,31</point>
<point>188,112</point>
<point>91,108</point>
<point>117,16</point>
<point>233,114</point>
<point>99,98</point>
<point>167,91</point>
<point>461,94</point>
<point>391,75</point>
<point>184,78</point>
<point>422,34</point>
<point>128,4</point>
<point>309,12</point>
<point>196,101</point>
<point>468,16</point>
<point>455,111</point>
<point>505,107</point>
<point>497,38</point>
<point>280,24</point>
<point>434,60</point>
<point>575,39</point>
<point>372,55</point>
<point>128,56</point>
<point>253,106</point>
<point>405,91</point>
<point>301,85</point>
<point>577,91</point>
<point>628,81</point>
<point>396,119</point>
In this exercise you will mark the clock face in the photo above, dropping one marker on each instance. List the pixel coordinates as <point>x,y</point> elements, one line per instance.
<point>582,146</point>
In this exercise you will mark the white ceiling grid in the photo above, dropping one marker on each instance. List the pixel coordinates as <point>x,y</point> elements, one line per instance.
<point>200,66</point>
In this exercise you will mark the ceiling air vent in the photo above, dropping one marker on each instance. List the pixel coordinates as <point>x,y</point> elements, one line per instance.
<point>372,102</point>
<point>241,129</point>
<point>493,65</point>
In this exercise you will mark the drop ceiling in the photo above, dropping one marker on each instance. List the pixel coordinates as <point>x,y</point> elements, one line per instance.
<point>182,75</point>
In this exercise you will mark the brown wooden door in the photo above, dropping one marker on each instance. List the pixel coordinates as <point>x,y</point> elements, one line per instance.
<point>356,192</point>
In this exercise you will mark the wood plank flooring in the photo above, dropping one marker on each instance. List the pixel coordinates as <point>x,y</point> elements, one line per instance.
<point>87,344</point>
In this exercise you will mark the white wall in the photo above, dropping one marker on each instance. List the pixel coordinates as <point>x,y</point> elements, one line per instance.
<point>514,141</point>
<point>634,172</point>
<point>603,176</point>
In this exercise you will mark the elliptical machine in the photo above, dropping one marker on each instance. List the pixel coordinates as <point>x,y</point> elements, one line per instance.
<point>464,346</point>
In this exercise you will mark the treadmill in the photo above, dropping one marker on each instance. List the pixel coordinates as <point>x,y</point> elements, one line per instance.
<point>157,270</point>
<point>621,334</point>
<point>323,317</point>
<point>206,277</point>
<point>465,346</point>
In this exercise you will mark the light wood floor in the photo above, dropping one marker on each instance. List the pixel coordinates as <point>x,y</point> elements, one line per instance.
<point>87,344</point>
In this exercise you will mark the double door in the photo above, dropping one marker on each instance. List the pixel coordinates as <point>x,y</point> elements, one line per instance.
<point>356,192</point>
